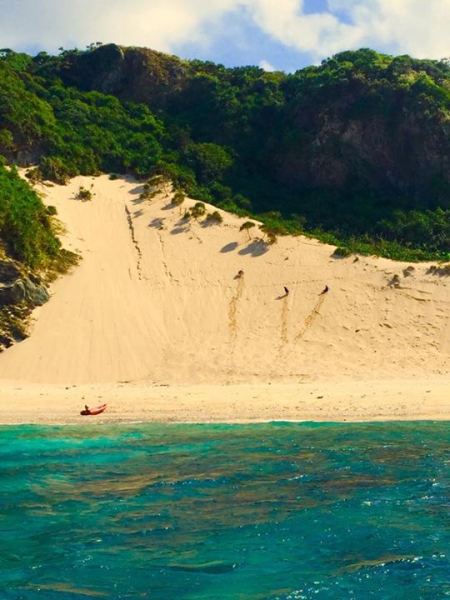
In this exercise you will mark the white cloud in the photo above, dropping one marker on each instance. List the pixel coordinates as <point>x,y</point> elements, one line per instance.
<point>158,24</point>
<point>264,64</point>
<point>317,33</point>
<point>408,26</point>
<point>399,26</point>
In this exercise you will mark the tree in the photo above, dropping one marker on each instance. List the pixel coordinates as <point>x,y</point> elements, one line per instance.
<point>270,234</point>
<point>154,186</point>
<point>246,227</point>
<point>209,161</point>
<point>178,198</point>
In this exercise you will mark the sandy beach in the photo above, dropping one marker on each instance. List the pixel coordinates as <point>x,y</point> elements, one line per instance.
<point>156,323</point>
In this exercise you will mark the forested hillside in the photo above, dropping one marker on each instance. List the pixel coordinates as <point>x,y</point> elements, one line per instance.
<point>357,147</point>
<point>355,151</point>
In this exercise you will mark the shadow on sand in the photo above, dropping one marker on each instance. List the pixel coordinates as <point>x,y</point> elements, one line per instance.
<point>157,223</point>
<point>169,206</point>
<point>255,248</point>
<point>178,230</point>
<point>230,247</point>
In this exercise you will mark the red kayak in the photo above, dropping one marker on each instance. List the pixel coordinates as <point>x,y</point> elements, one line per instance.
<point>93,411</point>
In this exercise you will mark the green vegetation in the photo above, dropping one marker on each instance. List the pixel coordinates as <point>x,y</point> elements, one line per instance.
<point>246,227</point>
<point>214,217</point>
<point>353,151</point>
<point>14,323</point>
<point>178,198</point>
<point>27,229</point>
<point>198,210</point>
<point>84,194</point>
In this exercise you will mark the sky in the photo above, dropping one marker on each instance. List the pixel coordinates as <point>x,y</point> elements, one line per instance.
<point>282,35</point>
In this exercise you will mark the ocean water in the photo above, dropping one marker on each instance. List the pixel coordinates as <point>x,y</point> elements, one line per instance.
<point>277,511</point>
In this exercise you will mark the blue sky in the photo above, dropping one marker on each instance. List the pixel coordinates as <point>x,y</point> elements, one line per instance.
<point>281,35</point>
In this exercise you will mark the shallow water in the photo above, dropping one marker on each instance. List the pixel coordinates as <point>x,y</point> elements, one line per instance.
<point>218,512</point>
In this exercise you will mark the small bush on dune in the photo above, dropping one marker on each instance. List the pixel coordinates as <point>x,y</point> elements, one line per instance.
<point>34,175</point>
<point>342,252</point>
<point>178,198</point>
<point>441,270</point>
<point>160,182</point>
<point>198,210</point>
<point>157,184</point>
<point>55,169</point>
<point>84,194</point>
<point>270,236</point>
<point>214,217</point>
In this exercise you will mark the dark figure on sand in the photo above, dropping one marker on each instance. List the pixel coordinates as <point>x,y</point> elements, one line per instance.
<point>325,289</point>
<point>286,291</point>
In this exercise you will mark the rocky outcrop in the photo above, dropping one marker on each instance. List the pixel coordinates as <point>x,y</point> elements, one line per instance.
<point>406,153</point>
<point>20,292</point>
<point>23,290</point>
<point>136,74</point>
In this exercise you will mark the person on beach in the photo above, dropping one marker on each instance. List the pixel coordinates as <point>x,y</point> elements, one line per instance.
<point>325,289</point>
<point>240,273</point>
<point>286,291</point>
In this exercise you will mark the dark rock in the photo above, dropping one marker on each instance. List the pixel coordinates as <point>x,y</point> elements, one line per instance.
<point>36,294</point>
<point>26,158</point>
<point>23,291</point>
<point>8,271</point>
<point>13,293</point>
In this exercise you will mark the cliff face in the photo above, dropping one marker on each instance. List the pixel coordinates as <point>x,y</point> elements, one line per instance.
<point>379,122</point>
<point>403,152</point>
<point>136,74</point>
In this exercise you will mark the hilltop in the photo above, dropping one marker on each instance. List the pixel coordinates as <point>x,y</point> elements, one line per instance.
<point>356,148</point>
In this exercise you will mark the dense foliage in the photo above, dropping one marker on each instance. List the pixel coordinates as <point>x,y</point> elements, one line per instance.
<point>355,150</point>
<point>26,227</point>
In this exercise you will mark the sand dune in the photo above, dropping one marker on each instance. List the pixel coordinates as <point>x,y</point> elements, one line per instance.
<point>155,302</point>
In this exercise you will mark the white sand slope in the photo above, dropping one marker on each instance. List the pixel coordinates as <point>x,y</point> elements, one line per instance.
<point>155,300</point>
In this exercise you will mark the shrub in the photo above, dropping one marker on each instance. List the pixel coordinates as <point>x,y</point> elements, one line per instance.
<point>214,217</point>
<point>342,252</point>
<point>198,210</point>
<point>178,198</point>
<point>271,238</point>
<point>55,170</point>
<point>34,175</point>
<point>270,235</point>
<point>154,186</point>
<point>84,194</point>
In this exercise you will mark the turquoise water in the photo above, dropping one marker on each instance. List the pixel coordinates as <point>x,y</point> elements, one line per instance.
<point>242,512</point>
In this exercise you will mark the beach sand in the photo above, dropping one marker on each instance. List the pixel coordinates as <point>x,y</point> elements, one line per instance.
<point>156,323</point>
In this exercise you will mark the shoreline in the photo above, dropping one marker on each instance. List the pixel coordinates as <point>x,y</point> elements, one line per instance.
<point>138,403</point>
